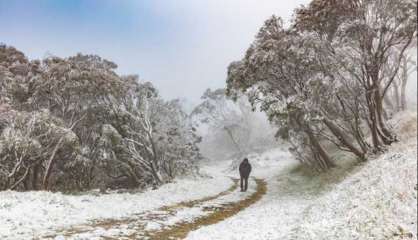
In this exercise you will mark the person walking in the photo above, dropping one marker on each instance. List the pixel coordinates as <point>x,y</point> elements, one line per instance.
<point>244,172</point>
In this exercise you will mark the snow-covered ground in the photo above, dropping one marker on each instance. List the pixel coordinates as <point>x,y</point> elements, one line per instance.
<point>374,200</point>
<point>24,215</point>
<point>157,219</point>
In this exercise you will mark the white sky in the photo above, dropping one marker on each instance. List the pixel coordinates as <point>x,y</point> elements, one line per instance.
<point>182,46</point>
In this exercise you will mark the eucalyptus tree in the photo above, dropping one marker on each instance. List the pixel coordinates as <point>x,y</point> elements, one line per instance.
<point>368,41</point>
<point>323,79</point>
<point>73,123</point>
<point>148,140</point>
<point>279,76</point>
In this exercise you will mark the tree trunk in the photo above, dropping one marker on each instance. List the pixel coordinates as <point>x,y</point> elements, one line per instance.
<point>380,133</point>
<point>155,174</point>
<point>387,136</point>
<point>324,158</point>
<point>35,174</point>
<point>154,163</point>
<point>358,134</point>
<point>372,122</point>
<point>343,139</point>
<point>26,182</point>
<point>20,180</point>
<point>396,96</point>
<point>50,164</point>
<point>403,84</point>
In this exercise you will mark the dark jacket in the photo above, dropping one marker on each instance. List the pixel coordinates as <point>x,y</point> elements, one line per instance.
<point>245,168</point>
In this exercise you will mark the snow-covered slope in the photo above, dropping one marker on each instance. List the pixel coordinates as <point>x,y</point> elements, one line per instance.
<point>374,200</point>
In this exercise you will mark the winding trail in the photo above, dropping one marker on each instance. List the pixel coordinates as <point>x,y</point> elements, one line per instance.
<point>180,230</point>
<point>169,222</point>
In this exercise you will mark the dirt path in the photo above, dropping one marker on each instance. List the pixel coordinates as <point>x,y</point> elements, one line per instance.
<point>217,214</point>
<point>169,222</point>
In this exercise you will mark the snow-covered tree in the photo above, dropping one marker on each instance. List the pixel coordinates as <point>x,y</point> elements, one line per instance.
<point>368,42</point>
<point>73,123</point>
<point>324,78</point>
<point>277,73</point>
<point>155,143</point>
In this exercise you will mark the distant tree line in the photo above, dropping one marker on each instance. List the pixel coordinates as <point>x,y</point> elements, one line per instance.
<point>74,124</point>
<point>333,77</point>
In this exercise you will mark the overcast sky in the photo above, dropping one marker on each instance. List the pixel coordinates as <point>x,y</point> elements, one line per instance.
<point>182,46</point>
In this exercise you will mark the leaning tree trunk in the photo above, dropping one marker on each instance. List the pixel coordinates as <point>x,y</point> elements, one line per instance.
<point>23,178</point>
<point>323,157</point>
<point>50,164</point>
<point>343,139</point>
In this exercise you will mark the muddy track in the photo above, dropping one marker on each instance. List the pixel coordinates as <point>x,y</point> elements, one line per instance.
<point>137,222</point>
<point>218,214</point>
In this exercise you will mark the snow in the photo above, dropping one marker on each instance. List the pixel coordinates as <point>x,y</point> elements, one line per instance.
<point>25,214</point>
<point>163,219</point>
<point>190,214</point>
<point>374,200</point>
